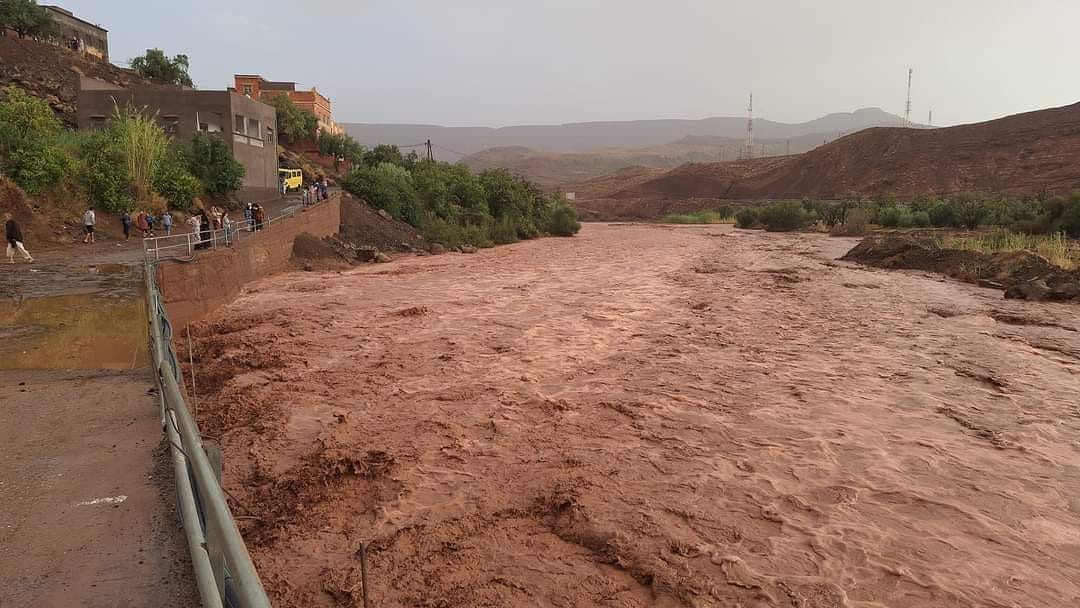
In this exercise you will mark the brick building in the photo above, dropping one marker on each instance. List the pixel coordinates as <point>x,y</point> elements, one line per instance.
<point>95,38</point>
<point>246,125</point>
<point>257,87</point>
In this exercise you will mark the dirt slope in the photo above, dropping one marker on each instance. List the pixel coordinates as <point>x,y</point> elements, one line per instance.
<point>1022,154</point>
<point>52,73</point>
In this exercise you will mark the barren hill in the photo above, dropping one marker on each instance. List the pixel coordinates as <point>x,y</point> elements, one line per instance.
<point>456,142</point>
<point>1024,154</point>
<point>561,168</point>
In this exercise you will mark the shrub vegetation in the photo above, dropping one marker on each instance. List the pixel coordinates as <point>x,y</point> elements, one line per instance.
<point>453,206</point>
<point>130,161</point>
<point>723,215</point>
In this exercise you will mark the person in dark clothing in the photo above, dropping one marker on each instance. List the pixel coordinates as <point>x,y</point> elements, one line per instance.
<point>207,230</point>
<point>14,240</point>
<point>125,221</point>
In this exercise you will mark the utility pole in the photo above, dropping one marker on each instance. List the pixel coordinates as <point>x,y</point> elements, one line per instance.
<point>930,119</point>
<point>430,155</point>
<point>789,147</point>
<point>907,108</point>
<point>750,128</point>
<point>763,150</point>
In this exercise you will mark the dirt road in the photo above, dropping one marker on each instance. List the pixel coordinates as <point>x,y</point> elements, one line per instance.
<point>648,416</point>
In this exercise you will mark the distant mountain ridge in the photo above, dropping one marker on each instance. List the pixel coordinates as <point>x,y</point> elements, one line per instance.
<point>455,142</point>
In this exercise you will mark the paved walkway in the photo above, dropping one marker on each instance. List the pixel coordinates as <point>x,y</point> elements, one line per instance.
<point>88,516</point>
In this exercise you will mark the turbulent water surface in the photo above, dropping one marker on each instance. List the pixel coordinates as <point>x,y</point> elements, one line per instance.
<point>649,416</point>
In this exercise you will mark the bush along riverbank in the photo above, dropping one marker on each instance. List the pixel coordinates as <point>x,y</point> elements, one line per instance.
<point>452,206</point>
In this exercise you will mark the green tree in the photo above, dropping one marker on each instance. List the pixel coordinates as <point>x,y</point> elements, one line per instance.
<point>26,18</point>
<point>213,164</point>
<point>103,171</point>
<point>156,66</point>
<point>174,182</point>
<point>384,153</point>
<point>294,124</point>
<point>30,152</point>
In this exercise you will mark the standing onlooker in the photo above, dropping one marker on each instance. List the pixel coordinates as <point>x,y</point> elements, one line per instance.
<point>89,220</point>
<point>306,199</point>
<point>142,223</point>
<point>166,222</point>
<point>125,221</point>
<point>207,231</point>
<point>194,223</point>
<point>215,215</point>
<point>325,189</point>
<point>226,226</point>
<point>249,217</point>
<point>14,240</point>
<point>258,215</point>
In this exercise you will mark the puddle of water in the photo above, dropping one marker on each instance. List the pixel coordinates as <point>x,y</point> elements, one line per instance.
<point>110,269</point>
<point>74,332</point>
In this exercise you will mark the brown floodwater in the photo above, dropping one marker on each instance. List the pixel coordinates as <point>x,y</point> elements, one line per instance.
<point>649,416</point>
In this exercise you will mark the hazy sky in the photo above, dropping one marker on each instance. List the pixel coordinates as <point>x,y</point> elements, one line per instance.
<point>502,62</point>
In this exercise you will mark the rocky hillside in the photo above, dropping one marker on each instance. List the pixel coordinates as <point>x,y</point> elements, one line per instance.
<point>52,73</point>
<point>1024,154</point>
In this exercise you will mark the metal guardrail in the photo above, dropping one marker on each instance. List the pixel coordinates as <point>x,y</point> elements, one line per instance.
<point>224,572</point>
<point>160,247</point>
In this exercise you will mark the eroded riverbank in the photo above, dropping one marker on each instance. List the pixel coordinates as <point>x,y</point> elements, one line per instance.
<point>649,416</point>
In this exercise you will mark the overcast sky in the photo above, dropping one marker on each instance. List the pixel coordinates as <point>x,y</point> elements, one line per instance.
<point>506,62</point>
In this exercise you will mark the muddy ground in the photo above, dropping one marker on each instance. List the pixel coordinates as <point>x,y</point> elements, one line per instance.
<point>650,416</point>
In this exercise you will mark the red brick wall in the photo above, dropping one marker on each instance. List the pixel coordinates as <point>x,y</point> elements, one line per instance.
<point>195,290</point>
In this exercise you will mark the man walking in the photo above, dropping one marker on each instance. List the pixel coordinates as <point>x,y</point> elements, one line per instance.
<point>125,223</point>
<point>89,220</point>
<point>14,240</point>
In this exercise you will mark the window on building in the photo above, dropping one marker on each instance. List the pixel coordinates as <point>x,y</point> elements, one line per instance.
<point>248,91</point>
<point>269,135</point>
<point>97,123</point>
<point>239,124</point>
<point>171,124</point>
<point>254,129</point>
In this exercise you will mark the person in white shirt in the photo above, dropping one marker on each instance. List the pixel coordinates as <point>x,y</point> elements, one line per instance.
<point>89,221</point>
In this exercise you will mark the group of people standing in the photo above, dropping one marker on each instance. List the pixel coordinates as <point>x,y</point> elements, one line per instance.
<point>144,222</point>
<point>319,190</point>
<point>201,222</point>
<point>254,217</point>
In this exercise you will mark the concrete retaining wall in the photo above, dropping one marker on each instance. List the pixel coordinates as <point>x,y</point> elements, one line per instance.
<point>195,290</point>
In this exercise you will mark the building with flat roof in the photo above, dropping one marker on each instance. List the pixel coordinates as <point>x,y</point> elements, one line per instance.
<point>259,88</point>
<point>246,125</point>
<point>94,38</point>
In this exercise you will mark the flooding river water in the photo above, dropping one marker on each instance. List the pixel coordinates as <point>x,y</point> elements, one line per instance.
<point>650,416</point>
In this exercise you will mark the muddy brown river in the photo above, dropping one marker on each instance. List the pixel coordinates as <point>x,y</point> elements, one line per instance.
<point>649,416</point>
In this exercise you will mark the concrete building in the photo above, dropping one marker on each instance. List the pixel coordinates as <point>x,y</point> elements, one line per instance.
<point>246,125</point>
<point>257,87</point>
<point>95,38</point>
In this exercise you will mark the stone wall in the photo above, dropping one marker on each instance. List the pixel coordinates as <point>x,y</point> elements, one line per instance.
<point>195,290</point>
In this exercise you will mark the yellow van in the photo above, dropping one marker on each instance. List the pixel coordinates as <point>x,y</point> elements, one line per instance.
<point>291,179</point>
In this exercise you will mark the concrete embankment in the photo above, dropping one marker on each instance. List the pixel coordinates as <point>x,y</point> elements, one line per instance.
<point>194,290</point>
